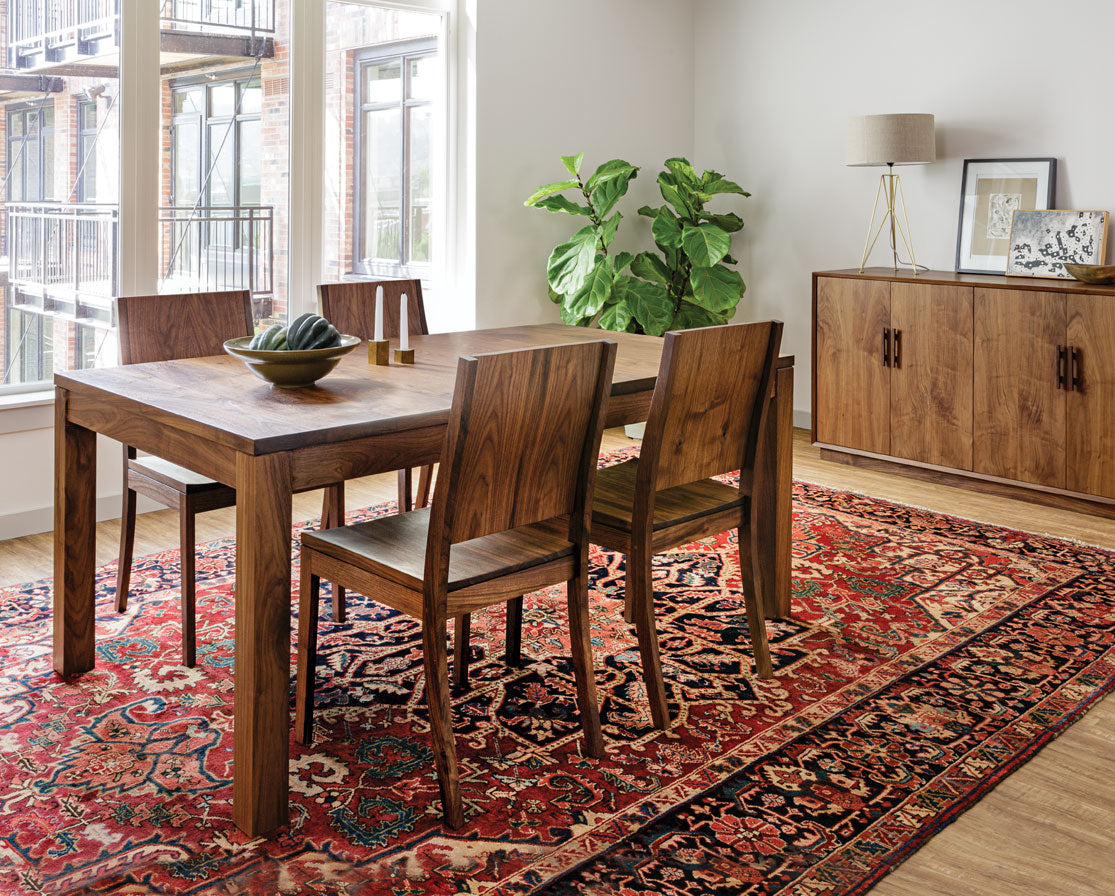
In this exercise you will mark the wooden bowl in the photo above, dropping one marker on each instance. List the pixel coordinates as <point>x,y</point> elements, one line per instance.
<point>1095,274</point>
<point>290,369</point>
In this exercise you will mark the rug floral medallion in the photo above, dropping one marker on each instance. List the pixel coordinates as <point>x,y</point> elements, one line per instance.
<point>927,657</point>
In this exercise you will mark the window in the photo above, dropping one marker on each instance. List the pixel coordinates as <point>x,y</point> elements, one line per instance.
<point>86,189</point>
<point>217,124</point>
<point>28,352</point>
<point>31,152</point>
<point>396,85</point>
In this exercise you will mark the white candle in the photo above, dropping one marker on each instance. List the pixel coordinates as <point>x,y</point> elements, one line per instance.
<point>404,330</point>
<point>379,314</point>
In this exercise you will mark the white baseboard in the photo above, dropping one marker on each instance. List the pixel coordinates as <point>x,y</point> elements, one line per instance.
<point>803,419</point>
<point>41,519</point>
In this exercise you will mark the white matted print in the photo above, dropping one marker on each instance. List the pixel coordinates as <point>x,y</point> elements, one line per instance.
<point>1042,241</point>
<point>990,192</point>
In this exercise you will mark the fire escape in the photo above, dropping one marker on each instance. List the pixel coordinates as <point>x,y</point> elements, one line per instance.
<point>63,256</point>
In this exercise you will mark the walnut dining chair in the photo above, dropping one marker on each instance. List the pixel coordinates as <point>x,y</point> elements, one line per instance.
<point>706,418</point>
<point>168,328</point>
<point>520,451</point>
<point>350,307</point>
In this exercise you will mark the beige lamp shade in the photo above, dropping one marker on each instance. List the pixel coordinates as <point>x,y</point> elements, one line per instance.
<point>890,139</point>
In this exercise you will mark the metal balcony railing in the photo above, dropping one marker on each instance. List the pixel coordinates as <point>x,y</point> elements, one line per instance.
<point>253,18</point>
<point>213,248</point>
<point>65,250</point>
<point>59,29</point>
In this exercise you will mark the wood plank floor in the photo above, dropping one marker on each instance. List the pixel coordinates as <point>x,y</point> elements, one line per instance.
<point>1047,829</point>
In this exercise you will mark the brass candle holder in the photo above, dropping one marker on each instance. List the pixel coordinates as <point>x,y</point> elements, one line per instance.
<point>404,356</point>
<point>378,353</point>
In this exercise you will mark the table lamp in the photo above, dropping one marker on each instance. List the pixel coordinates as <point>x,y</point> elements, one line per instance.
<point>890,140</point>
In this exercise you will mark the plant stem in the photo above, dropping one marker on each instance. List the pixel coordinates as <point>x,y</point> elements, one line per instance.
<point>595,218</point>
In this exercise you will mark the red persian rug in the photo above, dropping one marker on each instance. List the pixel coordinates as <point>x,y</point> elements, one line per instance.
<point>928,658</point>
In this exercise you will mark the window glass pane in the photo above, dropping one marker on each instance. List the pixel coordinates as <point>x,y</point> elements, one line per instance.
<point>249,162</point>
<point>88,116</point>
<point>422,78</point>
<point>222,164</point>
<point>251,100</point>
<point>15,124</point>
<point>382,82</point>
<point>420,194</point>
<point>383,141</point>
<point>189,100</point>
<point>222,99</point>
<point>186,162</point>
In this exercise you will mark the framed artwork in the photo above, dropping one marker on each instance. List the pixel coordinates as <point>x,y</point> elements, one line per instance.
<point>990,192</point>
<point>1041,241</point>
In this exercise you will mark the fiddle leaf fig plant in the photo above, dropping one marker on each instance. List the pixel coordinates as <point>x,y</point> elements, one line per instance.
<point>687,282</point>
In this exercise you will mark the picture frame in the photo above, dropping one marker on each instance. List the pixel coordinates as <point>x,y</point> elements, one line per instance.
<point>990,191</point>
<point>1041,240</point>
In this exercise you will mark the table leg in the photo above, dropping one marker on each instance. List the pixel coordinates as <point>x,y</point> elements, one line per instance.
<point>774,494</point>
<point>261,725</point>
<point>75,488</point>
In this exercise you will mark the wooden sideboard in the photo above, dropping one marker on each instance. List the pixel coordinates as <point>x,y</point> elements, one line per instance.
<point>1006,384</point>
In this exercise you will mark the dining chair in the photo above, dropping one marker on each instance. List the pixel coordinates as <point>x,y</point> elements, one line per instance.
<point>169,328</point>
<point>520,451</point>
<point>350,307</point>
<point>706,418</point>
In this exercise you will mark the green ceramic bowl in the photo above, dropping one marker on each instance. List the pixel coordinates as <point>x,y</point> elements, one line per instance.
<point>290,369</point>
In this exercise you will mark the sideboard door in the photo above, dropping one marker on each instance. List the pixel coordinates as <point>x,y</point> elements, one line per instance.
<point>1090,442</point>
<point>931,374</point>
<point>851,381</point>
<point>1019,430</point>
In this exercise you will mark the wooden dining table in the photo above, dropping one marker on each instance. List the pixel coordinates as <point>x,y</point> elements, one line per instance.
<point>214,417</point>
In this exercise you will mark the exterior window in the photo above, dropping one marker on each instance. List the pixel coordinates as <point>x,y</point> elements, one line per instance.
<point>86,190</point>
<point>31,153</point>
<point>396,85</point>
<point>28,354</point>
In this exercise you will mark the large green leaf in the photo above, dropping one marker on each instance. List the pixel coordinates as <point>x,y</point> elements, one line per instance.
<point>623,259</point>
<point>722,185</point>
<point>590,298</point>
<point>648,303</point>
<point>648,211</point>
<point>571,318</point>
<point>608,192</point>
<point>562,204</point>
<point>729,223</point>
<point>705,244</point>
<point>673,194</point>
<point>682,170</point>
<point>608,229</point>
<point>666,229</point>
<point>571,262</point>
<point>716,289</point>
<point>690,316</point>
<point>611,170</point>
<point>616,316</point>
<point>550,189</point>
<point>573,163</point>
<point>649,266</point>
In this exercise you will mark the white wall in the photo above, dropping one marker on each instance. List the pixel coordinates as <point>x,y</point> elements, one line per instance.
<point>555,77</point>
<point>776,81</point>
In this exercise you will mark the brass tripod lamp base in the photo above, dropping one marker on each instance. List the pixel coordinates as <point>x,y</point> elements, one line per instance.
<point>890,187</point>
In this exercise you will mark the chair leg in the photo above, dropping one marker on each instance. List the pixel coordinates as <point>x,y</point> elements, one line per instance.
<point>186,518</point>
<point>639,574</point>
<point>749,576</point>
<point>308,599</point>
<point>587,701</point>
<point>332,516</point>
<point>425,475</point>
<point>462,632</point>
<point>441,726</point>
<point>127,543</point>
<point>513,652</point>
<point>405,504</point>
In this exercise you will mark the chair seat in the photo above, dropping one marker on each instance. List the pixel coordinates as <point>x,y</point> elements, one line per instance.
<point>171,475</point>
<point>614,499</point>
<point>394,548</point>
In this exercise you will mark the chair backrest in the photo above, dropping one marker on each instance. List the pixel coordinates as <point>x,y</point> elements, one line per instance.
<point>709,403</point>
<point>181,325</point>
<point>351,307</point>
<point>522,442</point>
